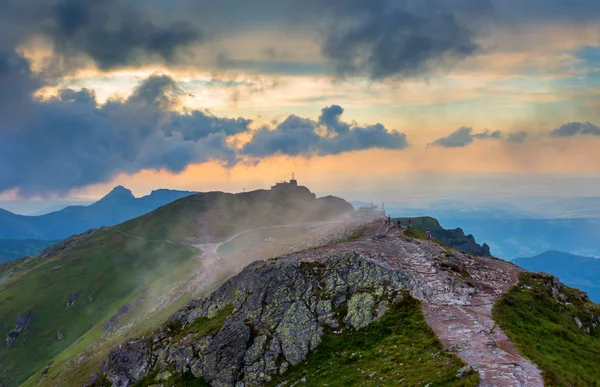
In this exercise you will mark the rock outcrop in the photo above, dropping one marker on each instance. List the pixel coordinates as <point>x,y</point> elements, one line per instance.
<point>264,319</point>
<point>456,238</point>
<point>20,325</point>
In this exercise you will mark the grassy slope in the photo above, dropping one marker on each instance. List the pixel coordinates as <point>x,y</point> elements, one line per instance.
<point>401,349</point>
<point>545,331</point>
<point>110,267</point>
<point>114,269</point>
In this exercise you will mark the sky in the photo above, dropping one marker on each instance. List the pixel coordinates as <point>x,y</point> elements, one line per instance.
<point>352,96</point>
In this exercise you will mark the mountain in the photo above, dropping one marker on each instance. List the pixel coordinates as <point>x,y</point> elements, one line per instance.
<point>117,206</point>
<point>574,270</point>
<point>95,289</point>
<point>279,287</point>
<point>15,248</point>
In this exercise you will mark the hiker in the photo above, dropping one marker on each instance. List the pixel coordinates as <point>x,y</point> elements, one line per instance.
<point>428,233</point>
<point>399,223</point>
<point>390,220</point>
<point>409,222</point>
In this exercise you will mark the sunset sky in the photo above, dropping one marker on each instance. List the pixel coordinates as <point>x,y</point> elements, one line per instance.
<point>350,95</point>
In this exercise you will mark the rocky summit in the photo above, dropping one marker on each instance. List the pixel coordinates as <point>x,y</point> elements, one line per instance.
<point>275,314</point>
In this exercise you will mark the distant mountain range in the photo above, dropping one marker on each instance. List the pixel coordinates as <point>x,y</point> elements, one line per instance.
<point>529,237</point>
<point>116,207</point>
<point>16,248</point>
<point>573,270</point>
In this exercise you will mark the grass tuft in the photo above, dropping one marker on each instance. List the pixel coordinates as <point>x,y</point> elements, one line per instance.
<point>205,326</point>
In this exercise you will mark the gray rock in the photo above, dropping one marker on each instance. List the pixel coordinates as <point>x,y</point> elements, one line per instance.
<point>360,309</point>
<point>72,299</point>
<point>464,371</point>
<point>280,307</point>
<point>225,354</point>
<point>21,324</point>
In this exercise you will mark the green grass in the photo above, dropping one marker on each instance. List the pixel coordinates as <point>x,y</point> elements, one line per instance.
<point>544,330</point>
<point>202,326</point>
<point>110,267</point>
<point>183,380</point>
<point>413,232</point>
<point>401,349</point>
<point>422,223</point>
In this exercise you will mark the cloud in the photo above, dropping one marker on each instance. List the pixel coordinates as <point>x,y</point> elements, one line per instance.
<point>464,136</point>
<point>112,33</point>
<point>517,137</point>
<point>386,39</point>
<point>302,136</point>
<point>379,39</point>
<point>488,135</point>
<point>575,129</point>
<point>115,35</point>
<point>459,138</point>
<point>71,141</point>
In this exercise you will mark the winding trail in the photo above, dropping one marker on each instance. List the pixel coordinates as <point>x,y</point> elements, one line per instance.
<point>212,248</point>
<point>460,315</point>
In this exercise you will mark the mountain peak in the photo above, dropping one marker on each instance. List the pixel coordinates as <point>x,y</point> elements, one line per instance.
<point>119,192</point>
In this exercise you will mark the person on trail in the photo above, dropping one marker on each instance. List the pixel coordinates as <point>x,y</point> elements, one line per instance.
<point>399,223</point>
<point>390,220</point>
<point>428,233</point>
<point>409,222</point>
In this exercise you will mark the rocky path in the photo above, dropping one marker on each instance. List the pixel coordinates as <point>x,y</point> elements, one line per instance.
<point>461,315</point>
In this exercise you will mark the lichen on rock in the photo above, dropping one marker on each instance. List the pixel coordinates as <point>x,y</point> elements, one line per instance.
<point>279,311</point>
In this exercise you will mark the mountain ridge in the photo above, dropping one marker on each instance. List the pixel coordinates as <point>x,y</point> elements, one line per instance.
<point>134,272</point>
<point>117,206</point>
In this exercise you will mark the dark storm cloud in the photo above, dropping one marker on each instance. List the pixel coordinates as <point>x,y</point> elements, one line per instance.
<point>114,35</point>
<point>71,141</point>
<point>301,136</point>
<point>398,44</point>
<point>464,136</point>
<point>576,129</point>
<point>378,38</point>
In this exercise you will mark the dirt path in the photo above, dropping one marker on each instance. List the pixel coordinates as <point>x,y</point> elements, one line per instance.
<point>211,248</point>
<point>459,314</point>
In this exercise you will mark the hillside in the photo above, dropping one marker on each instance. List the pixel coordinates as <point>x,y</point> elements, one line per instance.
<point>85,294</point>
<point>116,207</point>
<point>555,326</point>
<point>573,270</point>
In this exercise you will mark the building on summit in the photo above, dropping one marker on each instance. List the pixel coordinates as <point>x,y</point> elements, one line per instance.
<point>286,185</point>
<point>370,212</point>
